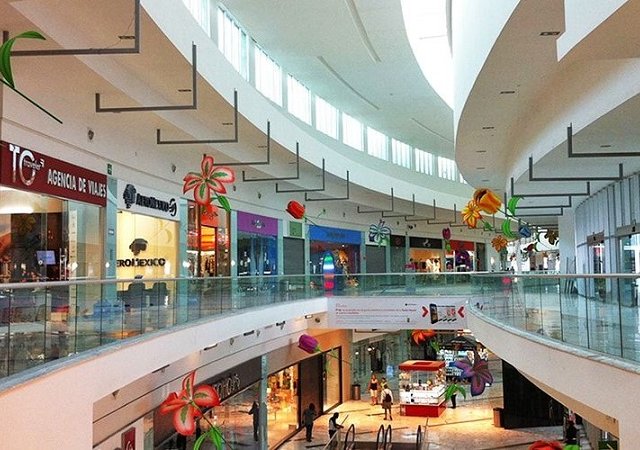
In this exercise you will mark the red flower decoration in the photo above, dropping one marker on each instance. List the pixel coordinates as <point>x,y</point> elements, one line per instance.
<point>211,179</point>
<point>186,404</point>
<point>446,233</point>
<point>419,336</point>
<point>546,445</point>
<point>296,209</point>
<point>309,344</point>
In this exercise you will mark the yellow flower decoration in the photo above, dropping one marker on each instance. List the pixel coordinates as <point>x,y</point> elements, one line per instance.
<point>499,243</point>
<point>487,201</point>
<point>471,214</point>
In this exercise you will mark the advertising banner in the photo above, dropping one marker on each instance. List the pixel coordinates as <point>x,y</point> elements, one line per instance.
<point>438,312</point>
<point>28,170</point>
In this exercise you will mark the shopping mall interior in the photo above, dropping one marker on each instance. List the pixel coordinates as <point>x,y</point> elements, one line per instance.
<point>217,213</point>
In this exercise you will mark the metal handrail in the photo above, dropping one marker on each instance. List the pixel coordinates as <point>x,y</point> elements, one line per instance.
<point>351,431</point>
<point>381,435</point>
<point>388,437</point>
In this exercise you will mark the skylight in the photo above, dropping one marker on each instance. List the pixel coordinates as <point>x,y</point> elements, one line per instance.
<point>426,26</point>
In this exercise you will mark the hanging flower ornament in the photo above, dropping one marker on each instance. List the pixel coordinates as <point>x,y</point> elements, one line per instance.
<point>487,201</point>
<point>471,214</point>
<point>6,73</point>
<point>298,211</point>
<point>379,233</point>
<point>210,180</point>
<point>420,336</point>
<point>310,345</point>
<point>551,236</point>
<point>477,373</point>
<point>446,235</point>
<point>499,243</point>
<point>186,407</point>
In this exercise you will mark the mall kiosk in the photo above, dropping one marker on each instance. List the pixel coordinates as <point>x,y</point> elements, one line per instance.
<point>422,387</point>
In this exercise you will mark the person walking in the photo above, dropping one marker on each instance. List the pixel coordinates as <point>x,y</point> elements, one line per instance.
<point>255,412</point>
<point>386,398</point>
<point>308,415</point>
<point>334,426</point>
<point>373,389</point>
<point>571,436</point>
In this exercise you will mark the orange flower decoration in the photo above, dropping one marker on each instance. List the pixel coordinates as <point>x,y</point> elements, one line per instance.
<point>419,336</point>
<point>499,243</point>
<point>471,214</point>
<point>487,201</point>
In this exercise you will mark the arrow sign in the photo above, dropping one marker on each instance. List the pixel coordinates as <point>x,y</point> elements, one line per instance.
<point>425,311</point>
<point>460,311</point>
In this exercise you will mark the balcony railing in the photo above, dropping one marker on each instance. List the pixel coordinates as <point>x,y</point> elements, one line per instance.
<point>41,322</point>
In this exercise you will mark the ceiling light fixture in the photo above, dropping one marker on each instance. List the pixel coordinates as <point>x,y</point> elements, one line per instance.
<point>488,128</point>
<point>481,151</point>
<point>549,33</point>
<point>210,347</point>
<point>126,37</point>
<point>184,90</point>
<point>507,92</point>
<point>480,168</point>
<point>605,146</point>
<point>485,181</point>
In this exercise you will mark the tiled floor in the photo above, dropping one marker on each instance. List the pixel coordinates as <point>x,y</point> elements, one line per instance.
<point>469,426</point>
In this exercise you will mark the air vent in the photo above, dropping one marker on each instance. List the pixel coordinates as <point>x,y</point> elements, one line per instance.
<point>488,128</point>
<point>549,33</point>
<point>507,92</point>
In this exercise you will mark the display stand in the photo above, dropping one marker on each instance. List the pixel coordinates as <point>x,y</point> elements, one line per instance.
<point>422,387</point>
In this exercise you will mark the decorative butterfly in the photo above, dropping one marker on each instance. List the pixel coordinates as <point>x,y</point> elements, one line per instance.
<point>477,372</point>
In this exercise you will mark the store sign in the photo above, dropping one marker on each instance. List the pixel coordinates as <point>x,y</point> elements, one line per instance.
<point>254,223</point>
<point>388,313</point>
<point>139,199</point>
<point>336,235</point>
<point>419,242</point>
<point>25,169</point>
<point>129,439</point>
<point>141,262</point>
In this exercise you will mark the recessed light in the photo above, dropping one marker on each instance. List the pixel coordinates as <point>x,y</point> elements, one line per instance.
<point>481,151</point>
<point>227,123</point>
<point>485,181</point>
<point>605,146</point>
<point>549,33</point>
<point>184,90</point>
<point>262,146</point>
<point>507,92</point>
<point>126,37</point>
<point>480,168</point>
<point>488,128</point>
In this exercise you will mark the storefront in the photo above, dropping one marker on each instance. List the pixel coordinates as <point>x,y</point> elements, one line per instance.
<point>50,225</point>
<point>461,258</point>
<point>343,245</point>
<point>207,241</point>
<point>238,388</point>
<point>426,253</point>
<point>147,239</point>
<point>257,245</point>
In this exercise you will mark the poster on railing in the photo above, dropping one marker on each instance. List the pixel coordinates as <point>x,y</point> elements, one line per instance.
<point>438,312</point>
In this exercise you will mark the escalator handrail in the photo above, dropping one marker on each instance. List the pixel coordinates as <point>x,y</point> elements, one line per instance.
<point>388,437</point>
<point>381,434</point>
<point>351,431</point>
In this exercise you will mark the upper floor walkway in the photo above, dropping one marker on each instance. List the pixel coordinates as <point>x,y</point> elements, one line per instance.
<point>574,336</point>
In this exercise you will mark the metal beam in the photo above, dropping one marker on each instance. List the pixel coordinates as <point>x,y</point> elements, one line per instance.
<point>244,179</point>
<point>566,194</point>
<point>448,222</point>
<point>194,95</point>
<point>90,51</point>
<point>278,190</point>
<point>614,178</point>
<point>413,208</point>
<point>256,163</point>
<point>308,199</point>
<point>360,211</point>
<point>159,140</point>
<point>571,153</point>
<point>425,219</point>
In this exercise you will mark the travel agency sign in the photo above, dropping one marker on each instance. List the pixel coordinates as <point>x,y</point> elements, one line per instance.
<point>27,170</point>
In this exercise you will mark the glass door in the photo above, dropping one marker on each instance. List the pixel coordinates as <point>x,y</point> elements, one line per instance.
<point>629,263</point>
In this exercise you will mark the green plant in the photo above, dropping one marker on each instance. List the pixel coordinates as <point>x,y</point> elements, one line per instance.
<point>454,389</point>
<point>6,73</point>
<point>435,345</point>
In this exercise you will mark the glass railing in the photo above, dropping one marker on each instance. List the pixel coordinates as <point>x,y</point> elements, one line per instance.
<point>41,322</point>
<point>596,312</point>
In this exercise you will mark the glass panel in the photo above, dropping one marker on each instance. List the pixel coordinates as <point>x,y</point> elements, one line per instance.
<point>298,100</point>
<point>401,153</point>
<point>282,403</point>
<point>331,378</point>
<point>376,144</point>
<point>268,76</point>
<point>326,118</point>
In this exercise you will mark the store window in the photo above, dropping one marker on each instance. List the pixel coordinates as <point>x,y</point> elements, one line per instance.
<point>207,241</point>
<point>282,403</point>
<point>331,378</point>
<point>257,245</point>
